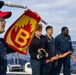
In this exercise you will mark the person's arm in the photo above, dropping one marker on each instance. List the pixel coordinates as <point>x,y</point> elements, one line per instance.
<point>32,50</point>
<point>72,56</point>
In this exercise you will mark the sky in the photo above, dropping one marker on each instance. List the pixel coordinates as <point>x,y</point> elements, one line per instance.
<point>57,13</point>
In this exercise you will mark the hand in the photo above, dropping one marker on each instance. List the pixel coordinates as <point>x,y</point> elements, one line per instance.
<point>38,56</point>
<point>70,52</point>
<point>57,57</point>
<point>43,50</point>
<point>46,55</point>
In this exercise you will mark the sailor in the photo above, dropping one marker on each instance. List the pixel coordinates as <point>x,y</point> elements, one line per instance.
<point>4,49</point>
<point>51,66</point>
<point>38,53</point>
<point>63,44</point>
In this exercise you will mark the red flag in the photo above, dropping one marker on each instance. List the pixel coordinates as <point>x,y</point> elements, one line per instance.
<point>21,32</point>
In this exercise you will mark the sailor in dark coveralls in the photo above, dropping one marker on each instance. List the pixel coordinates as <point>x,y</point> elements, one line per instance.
<point>4,49</point>
<point>63,44</point>
<point>37,59</point>
<point>51,50</point>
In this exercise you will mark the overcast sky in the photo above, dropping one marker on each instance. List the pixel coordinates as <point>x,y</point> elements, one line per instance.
<point>57,13</point>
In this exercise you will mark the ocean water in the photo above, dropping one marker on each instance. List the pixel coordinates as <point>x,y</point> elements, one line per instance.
<point>22,59</point>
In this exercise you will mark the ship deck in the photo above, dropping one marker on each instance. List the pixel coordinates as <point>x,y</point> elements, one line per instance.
<point>24,73</point>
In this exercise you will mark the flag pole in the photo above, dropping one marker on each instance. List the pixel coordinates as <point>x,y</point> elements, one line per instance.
<point>21,6</point>
<point>15,5</point>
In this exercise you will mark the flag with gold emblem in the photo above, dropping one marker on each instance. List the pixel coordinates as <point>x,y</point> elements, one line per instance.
<point>20,33</point>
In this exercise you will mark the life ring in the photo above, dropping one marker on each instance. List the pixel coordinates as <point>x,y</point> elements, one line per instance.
<point>7,68</point>
<point>28,68</point>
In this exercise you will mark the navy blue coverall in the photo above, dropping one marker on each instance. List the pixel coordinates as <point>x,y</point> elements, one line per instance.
<point>63,45</point>
<point>4,49</point>
<point>51,52</point>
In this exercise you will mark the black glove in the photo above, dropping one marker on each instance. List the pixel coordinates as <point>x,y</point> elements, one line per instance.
<point>41,54</point>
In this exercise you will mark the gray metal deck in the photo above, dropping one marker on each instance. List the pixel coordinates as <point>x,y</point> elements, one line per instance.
<point>23,73</point>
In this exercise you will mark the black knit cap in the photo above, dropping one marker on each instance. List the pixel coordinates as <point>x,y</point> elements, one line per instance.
<point>1,4</point>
